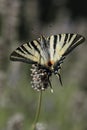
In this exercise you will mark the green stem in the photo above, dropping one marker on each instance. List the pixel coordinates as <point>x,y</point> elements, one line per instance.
<point>38,110</point>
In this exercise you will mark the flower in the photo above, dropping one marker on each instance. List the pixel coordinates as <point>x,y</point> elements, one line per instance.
<point>40,77</point>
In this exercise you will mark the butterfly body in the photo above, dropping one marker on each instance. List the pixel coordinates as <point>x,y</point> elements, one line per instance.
<point>47,53</point>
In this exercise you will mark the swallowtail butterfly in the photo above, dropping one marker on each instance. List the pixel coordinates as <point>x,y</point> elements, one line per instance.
<point>46,56</point>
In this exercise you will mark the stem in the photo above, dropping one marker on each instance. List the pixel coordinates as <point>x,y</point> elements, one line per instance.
<point>38,110</point>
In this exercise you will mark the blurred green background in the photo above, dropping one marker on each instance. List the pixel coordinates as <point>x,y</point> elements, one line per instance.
<point>26,20</point>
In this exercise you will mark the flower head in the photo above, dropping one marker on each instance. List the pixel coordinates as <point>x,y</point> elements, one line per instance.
<point>40,77</point>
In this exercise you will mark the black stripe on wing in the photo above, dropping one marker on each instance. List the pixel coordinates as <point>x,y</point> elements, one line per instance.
<point>35,47</point>
<point>60,35</point>
<point>67,38</point>
<point>20,49</point>
<point>55,42</point>
<point>24,50</point>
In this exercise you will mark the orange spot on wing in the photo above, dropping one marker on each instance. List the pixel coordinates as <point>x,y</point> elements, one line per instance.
<point>50,63</point>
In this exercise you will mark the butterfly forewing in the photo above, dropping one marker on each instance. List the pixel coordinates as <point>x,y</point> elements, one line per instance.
<point>77,40</point>
<point>63,44</point>
<point>28,52</point>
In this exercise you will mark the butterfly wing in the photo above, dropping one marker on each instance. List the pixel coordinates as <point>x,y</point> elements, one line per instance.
<point>32,52</point>
<point>63,44</point>
<point>28,52</point>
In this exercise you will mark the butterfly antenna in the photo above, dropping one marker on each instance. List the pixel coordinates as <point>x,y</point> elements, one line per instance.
<point>59,76</point>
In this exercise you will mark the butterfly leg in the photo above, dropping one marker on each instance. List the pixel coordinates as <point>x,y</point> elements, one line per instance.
<point>59,76</point>
<point>50,86</point>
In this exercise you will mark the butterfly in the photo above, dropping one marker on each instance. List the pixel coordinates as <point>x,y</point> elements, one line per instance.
<point>46,56</point>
